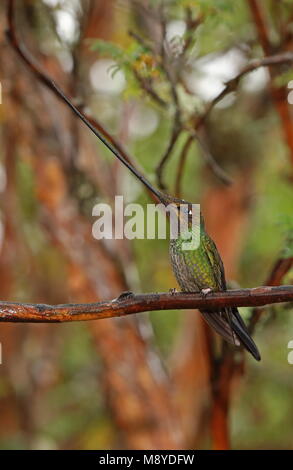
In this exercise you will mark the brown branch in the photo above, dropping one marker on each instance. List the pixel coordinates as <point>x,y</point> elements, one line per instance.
<point>160,168</point>
<point>279,95</point>
<point>191,26</point>
<point>212,164</point>
<point>128,303</point>
<point>231,85</point>
<point>141,41</point>
<point>223,372</point>
<point>176,126</point>
<point>281,267</point>
<point>260,25</point>
<point>181,164</point>
<point>145,82</point>
<point>146,85</point>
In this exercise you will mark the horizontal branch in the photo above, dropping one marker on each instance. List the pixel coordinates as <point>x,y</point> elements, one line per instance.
<point>128,303</point>
<point>281,267</point>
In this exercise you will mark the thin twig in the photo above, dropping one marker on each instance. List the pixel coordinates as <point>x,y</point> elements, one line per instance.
<point>146,85</point>
<point>181,164</point>
<point>141,41</point>
<point>281,267</point>
<point>213,165</point>
<point>191,26</point>
<point>165,157</point>
<point>231,85</point>
<point>128,303</point>
<point>49,83</point>
<point>177,126</point>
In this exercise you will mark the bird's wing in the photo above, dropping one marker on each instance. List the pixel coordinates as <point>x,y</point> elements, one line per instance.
<point>222,322</point>
<point>227,322</point>
<point>235,333</point>
<point>215,261</point>
<point>219,322</point>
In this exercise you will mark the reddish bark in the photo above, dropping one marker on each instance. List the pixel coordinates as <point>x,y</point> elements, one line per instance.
<point>279,95</point>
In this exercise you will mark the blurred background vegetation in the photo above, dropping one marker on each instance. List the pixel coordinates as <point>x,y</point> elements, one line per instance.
<point>153,381</point>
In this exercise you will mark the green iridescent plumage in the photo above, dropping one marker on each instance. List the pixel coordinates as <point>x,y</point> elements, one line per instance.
<point>202,269</point>
<point>199,268</point>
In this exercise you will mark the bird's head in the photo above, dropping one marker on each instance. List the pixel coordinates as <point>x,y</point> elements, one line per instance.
<point>182,210</point>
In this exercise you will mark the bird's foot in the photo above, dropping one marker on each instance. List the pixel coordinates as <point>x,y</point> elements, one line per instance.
<point>125,295</point>
<point>173,290</point>
<point>205,292</point>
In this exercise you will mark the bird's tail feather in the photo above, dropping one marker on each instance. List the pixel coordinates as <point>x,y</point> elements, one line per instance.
<point>229,324</point>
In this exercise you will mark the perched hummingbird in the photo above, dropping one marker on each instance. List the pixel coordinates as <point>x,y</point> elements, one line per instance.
<point>197,270</point>
<point>201,270</point>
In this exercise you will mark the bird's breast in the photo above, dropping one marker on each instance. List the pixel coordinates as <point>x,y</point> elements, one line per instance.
<point>191,268</point>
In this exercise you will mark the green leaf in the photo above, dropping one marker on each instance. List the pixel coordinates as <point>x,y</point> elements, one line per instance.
<point>108,49</point>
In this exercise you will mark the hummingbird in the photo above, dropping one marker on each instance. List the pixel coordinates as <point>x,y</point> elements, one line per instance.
<point>199,269</point>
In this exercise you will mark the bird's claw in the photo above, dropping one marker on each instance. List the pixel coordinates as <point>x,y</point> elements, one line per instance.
<point>125,295</point>
<point>173,290</point>
<point>205,292</point>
